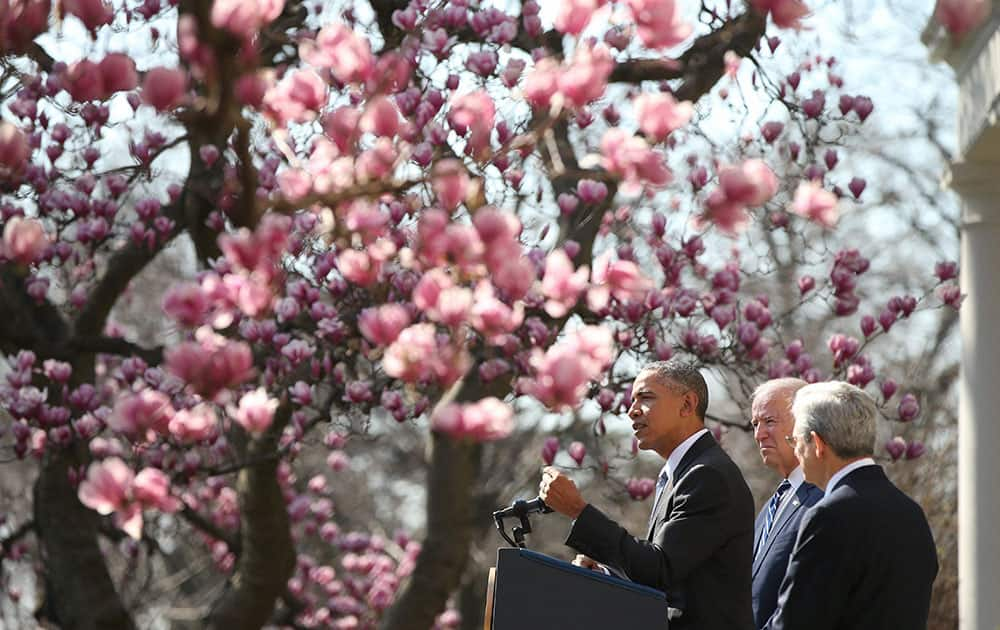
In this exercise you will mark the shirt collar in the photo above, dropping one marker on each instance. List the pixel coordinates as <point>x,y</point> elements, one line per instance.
<point>678,453</point>
<point>846,470</point>
<point>796,477</point>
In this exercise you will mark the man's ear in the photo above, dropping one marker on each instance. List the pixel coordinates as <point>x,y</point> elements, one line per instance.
<point>821,446</point>
<point>690,402</point>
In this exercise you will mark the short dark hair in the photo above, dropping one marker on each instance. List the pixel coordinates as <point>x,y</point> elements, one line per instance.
<point>681,375</point>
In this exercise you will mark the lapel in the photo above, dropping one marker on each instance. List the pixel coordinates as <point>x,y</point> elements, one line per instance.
<point>666,504</point>
<point>798,503</point>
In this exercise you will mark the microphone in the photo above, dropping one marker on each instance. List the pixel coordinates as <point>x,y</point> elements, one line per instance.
<point>521,508</point>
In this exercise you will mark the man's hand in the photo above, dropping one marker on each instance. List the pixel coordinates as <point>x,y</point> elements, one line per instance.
<point>560,493</point>
<point>589,563</point>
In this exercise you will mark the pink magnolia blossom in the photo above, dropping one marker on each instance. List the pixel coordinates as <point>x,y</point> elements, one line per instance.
<point>659,23</point>
<point>164,88</point>
<point>474,114</point>
<point>586,77</point>
<point>577,451</point>
<point>621,279</point>
<point>243,18</point>
<point>640,489</point>
<point>959,17</point>
<point>729,216</point>
<point>297,97</point>
<point>211,363</point>
<point>564,370</point>
<point>451,182</point>
<point>358,267</point>
<point>659,114</point>
<point>752,183</point>
<point>813,202</point>
<point>419,355</point>
<point>107,485</point>
<point>187,304</point>
<point>118,73</point>
<point>631,157</point>
<point>572,16</point>
<point>429,289</point>
<point>541,83</point>
<point>255,412</point>
<point>194,425</point>
<point>453,307</point>
<point>381,117</point>
<point>135,415</point>
<point>561,285</point>
<point>484,421</point>
<point>151,489</point>
<point>22,21</point>
<point>491,317</point>
<point>382,325</point>
<point>785,13</point>
<point>93,13</point>
<point>14,150</point>
<point>24,240</point>
<point>336,47</point>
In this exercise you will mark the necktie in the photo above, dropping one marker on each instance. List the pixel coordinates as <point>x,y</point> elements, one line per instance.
<point>662,488</point>
<point>772,508</point>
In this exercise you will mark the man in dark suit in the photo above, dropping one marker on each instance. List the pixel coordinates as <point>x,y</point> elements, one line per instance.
<point>865,557</point>
<point>698,545</point>
<point>778,522</point>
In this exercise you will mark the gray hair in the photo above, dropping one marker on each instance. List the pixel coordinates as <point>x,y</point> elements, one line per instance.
<point>839,412</point>
<point>787,387</point>
<point>678,375</point>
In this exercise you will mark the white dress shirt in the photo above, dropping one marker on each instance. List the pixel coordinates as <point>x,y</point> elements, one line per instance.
<point>795,478</point>
<point>676,455</point>
<point>843,472</point>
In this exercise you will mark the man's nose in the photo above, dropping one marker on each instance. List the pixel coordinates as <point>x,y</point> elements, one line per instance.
<point>759,431</point>
<point>633,411</point>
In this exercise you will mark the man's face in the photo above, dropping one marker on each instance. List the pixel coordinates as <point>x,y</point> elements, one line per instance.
<point>805,453</point>
<point>771,419</point>
<point>657,411</point>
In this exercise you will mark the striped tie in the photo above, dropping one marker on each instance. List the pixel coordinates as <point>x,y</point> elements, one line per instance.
<point>772,508</point>
<point>662,487</point>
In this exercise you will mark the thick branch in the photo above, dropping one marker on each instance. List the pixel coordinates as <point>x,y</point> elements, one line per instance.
<point>117,346</point>
<point>267,555</point>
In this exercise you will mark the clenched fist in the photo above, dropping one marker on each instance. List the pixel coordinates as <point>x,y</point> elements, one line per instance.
<point>560,493</point>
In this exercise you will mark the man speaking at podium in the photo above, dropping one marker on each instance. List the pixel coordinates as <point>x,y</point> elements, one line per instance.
<point>699,543</point>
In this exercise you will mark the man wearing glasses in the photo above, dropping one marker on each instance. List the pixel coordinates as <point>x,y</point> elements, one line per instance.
<point>698,544</point>
<point>865,557</point>
<point>777,524</point>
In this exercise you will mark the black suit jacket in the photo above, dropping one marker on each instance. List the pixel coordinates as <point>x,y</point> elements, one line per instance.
<point>698,548</point>
<point>864,560</point>
<point>771,560</point>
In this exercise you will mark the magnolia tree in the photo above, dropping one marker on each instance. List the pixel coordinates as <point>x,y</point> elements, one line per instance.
<point>421,211</point>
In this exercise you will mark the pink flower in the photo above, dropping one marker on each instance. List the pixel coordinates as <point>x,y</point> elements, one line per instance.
<point>358,267</point>
<point>151,488</point>
<point>93,13</point>
<point>729,216</point>
<point>631,157</point>
<point>187,304</point>
<point>659,114</point>
<point>134,415</point>
<point>549,450</point>
<point>210,364</point>
<point>785,13</point>
<point>541,83</point>
<point>14,150</point>
<point>577,451</point>
<point>164,88</point>
<point>564,370</point>
<point>194,425</point>
<point>255,412</point>
<point>586,77</point>
<point>491,317</point>
<point>659,23</point>
<point>451,181</point>
<point>959,17</point>
<point>429,289</point>
<point>622,278</point>
<point>514,276</point>
<point>473,114</point>
<point>419,355</point>
<point>815,203</point>
<point>381,117</point>
<point>640,489</point>
<point>896,447</point>
<point>243,18</point>
<point>338,48</point>
<point>561,284</point>
<point>909,408</point>
<point>484,421</point>
<point>382,325</point>
<point>24,240</point>
<point>106,487</point>
<point>298,97</point>
<point>572,16</point>
<point>752,183</point>
<point>118,73</point>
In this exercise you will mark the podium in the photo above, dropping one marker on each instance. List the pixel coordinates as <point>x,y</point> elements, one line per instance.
<point>532,591</point>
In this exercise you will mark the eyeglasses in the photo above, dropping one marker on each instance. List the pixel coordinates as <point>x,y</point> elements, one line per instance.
<point>794,439</point>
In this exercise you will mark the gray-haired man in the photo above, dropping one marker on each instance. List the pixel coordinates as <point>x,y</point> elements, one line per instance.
<point>864,558</point>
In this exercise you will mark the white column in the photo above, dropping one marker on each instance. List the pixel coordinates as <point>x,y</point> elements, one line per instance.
<point>978,184</point>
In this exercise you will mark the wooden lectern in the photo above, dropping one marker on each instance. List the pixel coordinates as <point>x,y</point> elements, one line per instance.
<point>531,591</point>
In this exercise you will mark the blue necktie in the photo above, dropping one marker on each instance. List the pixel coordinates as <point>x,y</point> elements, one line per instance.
<point>661,485</point>
<point>772,508</point>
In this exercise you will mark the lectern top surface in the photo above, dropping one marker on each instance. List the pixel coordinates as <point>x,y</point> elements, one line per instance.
<point>527,554</point>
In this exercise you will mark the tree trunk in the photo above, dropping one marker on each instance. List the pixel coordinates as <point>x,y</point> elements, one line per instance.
<point>267,555</point>
<point>79,592</point>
